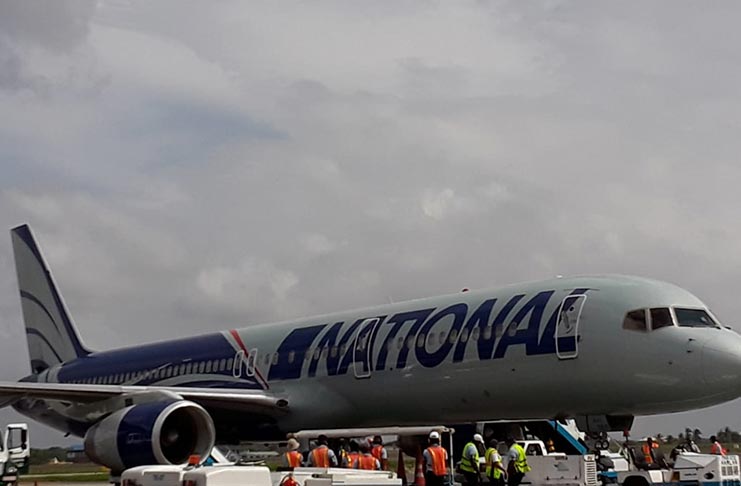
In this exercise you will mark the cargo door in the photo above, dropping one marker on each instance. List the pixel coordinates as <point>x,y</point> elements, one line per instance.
<point>567,329</point>
<point>363,348</point>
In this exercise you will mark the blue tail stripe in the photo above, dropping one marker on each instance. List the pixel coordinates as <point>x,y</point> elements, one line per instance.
<point>36,332</point>
<point>24,233</point>
<point>35,300</point>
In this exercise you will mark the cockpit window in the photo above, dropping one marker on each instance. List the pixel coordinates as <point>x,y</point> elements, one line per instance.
<point>635,320</point>
<point>694,318</point>
<point>661,317</point>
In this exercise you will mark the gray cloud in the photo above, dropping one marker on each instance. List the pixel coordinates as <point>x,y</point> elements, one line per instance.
<point>235,165</point>
<point>35,37</point>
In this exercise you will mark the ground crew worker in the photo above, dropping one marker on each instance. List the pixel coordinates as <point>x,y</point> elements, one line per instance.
<point>550,446</point>
<point>648,451</point>
<point>380,452</point>
<point>691,446</point>
<point>716,448</point>
<point>495,472</point>
<point>353,455</point>
<point>322,455</point>
<point>342,453</point>
<point>293,457</point>
<point>470,461</point>
<point>517,464</point>
<point>366,460</point>
<point>435,460</point>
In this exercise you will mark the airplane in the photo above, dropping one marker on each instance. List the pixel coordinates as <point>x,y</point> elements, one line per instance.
<point>600,348</point>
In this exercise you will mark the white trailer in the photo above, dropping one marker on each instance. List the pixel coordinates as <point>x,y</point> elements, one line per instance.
<point>689,469</point>
<point>562,470</point>
<point>261,476</point>
<point>159,475</point>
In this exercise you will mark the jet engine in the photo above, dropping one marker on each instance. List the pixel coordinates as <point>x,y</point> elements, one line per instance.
<point>162,432</point>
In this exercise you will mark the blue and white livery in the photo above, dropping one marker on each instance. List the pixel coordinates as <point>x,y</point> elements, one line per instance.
<point>604,348</point>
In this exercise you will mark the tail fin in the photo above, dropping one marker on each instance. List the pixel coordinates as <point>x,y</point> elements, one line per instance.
<point>52,336</point>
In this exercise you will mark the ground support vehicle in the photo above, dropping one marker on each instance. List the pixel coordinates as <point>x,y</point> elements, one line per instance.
<point>15,452</point>
<point>557,469</point>
<point>690,469</point>
<point>232,475</point>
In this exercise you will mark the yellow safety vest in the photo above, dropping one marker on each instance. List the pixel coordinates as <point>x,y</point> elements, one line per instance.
<point>521,465</point>
<point>466,463</point>
<point>491,471</point>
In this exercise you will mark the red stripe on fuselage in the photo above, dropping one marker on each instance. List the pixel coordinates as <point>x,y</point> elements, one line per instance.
<point>238,338</point>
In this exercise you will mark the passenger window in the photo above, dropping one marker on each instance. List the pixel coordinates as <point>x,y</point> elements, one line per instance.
<point>499,330</point>
<point>453,336</point>
<point>229,363</point>
<point>487,333</point>
<point>410,342</point>
<point>275,359</point>
<point>208,366</point>
<point>400,343</point>
<point>333,351</point>
<point>291,356</point>
<point>442,337</point>
<point>660,317</point>
<point>694,318</point>
<point>635,320</point>
<point>464,335</point>
<point>421,341</point>
<point>475,334</point>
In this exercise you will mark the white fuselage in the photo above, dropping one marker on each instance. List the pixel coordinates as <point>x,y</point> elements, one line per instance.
<point>528,351</point>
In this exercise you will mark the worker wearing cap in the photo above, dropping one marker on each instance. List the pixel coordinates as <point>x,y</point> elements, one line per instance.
<point>435,461</point>
<point>366,460</point>
<point>470,461</point>
<point>495,472</point>
<point>380,452</point>
<point>517,465</point>
<point>292,458</point>
<point>322,455</point>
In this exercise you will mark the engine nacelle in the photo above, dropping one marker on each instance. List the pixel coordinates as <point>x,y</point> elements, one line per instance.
<point>163,432</point>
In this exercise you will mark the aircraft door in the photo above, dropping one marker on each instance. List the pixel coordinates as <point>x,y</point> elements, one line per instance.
<point>567,328</point>
<point>363,348</point>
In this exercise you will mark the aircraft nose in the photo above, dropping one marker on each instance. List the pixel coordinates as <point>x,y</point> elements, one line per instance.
<point>721,360</point>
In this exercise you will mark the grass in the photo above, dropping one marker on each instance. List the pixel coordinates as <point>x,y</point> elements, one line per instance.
<point>72,473</point>
<point>96,477</point>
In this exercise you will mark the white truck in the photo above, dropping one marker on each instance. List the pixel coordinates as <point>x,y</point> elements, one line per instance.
<point>689,469</point>
<point>15,451</point>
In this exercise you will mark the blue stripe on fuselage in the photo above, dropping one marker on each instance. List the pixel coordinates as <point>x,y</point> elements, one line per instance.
<point>210,347</point>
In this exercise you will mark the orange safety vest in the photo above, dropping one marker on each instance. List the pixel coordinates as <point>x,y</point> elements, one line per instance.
<point>351,458</point>
<point>647,457</point>
<point>377,452</point>
<point>367,462</point>
<point>439,460</point>
<point>716,448</point>
<point>320,456</point>
<point>294,458</point>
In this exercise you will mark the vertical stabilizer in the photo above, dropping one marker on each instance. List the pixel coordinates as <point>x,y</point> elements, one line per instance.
<point>52,336</point>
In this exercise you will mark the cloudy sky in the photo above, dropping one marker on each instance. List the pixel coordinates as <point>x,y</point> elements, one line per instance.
<point>193,166</point>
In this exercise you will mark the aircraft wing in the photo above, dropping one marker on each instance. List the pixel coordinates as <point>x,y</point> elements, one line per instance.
<point>252,400</point>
